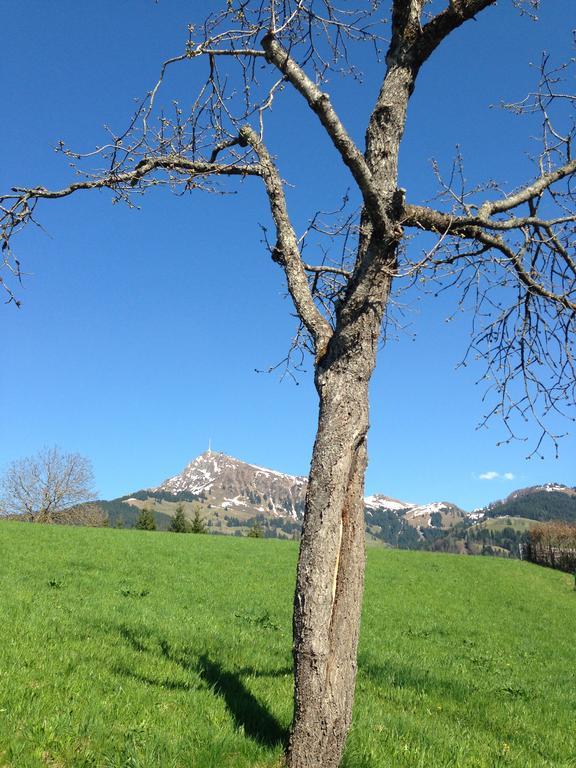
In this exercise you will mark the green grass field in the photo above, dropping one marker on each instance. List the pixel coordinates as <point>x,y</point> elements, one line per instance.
<point>128,649</point>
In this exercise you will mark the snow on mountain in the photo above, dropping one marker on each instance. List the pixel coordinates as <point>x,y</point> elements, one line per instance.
<point>226,482</point>
<point>379,501</point>
<point>437,514</point>
<point>427,509</point>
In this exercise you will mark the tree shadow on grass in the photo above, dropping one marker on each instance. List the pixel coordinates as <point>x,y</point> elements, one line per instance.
<point>166,683</point>
<point>258,723</point>
<point>249,714</point>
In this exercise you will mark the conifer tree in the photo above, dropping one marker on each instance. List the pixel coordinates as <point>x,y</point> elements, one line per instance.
<point>197,525</point>
<point>256,532</point>
<point>146,521</point>
<point>179,524</point>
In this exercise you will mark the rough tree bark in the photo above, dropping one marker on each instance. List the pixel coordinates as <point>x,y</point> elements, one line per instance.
<point>330,576</point>
<point>343,323</point>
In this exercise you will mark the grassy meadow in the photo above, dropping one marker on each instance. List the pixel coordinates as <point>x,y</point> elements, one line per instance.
<point>128,649</point>
<point>499,523</point>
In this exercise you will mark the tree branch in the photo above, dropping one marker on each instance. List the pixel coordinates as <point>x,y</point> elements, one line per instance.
<point>523,275</point>
<point>528,192</point>
<point>438,28</point>
<point>475,228</point>
<point>436,221</point>
<point>539,250</point>
<point>131,178</point>
<point>319,103</point>
<point>287,252</point>
<point>325,268</point>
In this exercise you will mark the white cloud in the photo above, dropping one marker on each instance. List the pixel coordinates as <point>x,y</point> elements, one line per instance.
<point>496,476</point>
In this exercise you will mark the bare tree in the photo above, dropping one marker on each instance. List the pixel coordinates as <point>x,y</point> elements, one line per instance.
<point>43,487</point>
<point>509,252</point>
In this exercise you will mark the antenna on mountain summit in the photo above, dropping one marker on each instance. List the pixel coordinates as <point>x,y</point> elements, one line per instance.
<point>209,445</point>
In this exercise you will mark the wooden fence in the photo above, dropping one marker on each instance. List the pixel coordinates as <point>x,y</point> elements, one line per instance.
<point>552,545</point>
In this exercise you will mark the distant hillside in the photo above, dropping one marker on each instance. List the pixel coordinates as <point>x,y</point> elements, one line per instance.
<point>502,528</point>
<point>409,526</point>
<point>125,515</point>
<point>164,496</point>
<point>114,514</point>
<point>499,529</point>
<point>542,503</point>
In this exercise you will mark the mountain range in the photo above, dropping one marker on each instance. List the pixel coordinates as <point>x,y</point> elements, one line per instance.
<point>233,496</point>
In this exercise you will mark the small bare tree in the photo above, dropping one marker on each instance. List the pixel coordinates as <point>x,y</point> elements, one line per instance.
<point>510,252</point>
<point>43,487</point>
<point>86,514</point>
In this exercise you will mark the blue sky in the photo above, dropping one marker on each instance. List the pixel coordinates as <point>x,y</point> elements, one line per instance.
<point>141,331</point>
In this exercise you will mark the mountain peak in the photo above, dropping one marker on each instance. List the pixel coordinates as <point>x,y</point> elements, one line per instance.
<point>231,483</point>
<point>379,501</point>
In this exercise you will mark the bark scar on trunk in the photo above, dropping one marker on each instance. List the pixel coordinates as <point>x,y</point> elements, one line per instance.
<point>345,522</point>
<point>344,541</point>
<point>335,578</point>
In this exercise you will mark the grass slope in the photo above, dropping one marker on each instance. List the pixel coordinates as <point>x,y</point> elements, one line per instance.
<point>125,649</point>
<point>500,523</point>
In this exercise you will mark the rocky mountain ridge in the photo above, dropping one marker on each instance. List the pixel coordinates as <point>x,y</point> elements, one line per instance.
<point>231,484</point>
<point>225,483</point>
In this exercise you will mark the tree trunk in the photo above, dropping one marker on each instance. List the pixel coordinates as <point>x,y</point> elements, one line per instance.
<point>330,577</point>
